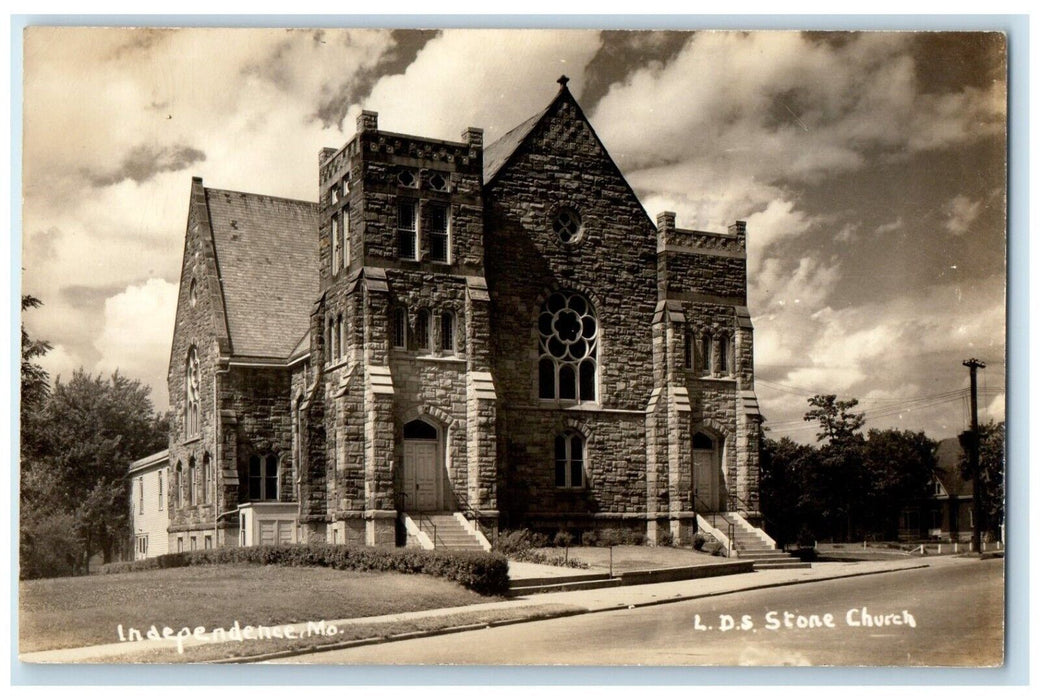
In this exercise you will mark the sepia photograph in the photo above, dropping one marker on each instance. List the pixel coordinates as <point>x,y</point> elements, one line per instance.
<point>513,347</point>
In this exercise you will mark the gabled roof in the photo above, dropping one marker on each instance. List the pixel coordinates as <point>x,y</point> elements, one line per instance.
<point>948,456</point>
<point>497,154</point>
<point>267,257</point>
<point>152,461</point>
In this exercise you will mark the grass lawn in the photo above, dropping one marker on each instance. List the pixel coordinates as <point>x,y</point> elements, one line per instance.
<point>85,610</point>
<point>630,557</point>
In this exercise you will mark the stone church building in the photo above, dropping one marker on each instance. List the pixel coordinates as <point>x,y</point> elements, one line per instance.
<point>496,334</point>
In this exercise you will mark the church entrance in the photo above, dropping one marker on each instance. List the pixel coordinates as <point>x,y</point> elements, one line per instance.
<point>423,466</point>
<point>707,474</point>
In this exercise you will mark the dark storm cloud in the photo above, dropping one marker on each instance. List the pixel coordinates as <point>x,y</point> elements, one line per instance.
<point>406,45</point>
<point>623,52</point>
<point>144,162</point>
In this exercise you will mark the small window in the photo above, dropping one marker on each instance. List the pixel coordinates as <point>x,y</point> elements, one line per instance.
<point>706,363</point>
<point>346,239</point>
<point>207,479</point>
<point>207,542</point>
<point>193,294</point>
<point>179,485</point>
<point>339,336</point>
<point>180,544</point>
<point>422,330</point>
<point>192,478</point>
<point>406,178</point>
<point>724,359</point>
<point>142,545</point>
<point>194,543</point>
<point>448,332</point>
<point>140,495</point>
<point>263,478</point>
<point>406,244</point>
<point>570,460</point>
<point>343,336</point>
<point>192,379</point>
<point>436,226</point>
<point>334,235</point>
<point>688,349</point>
<point>399,331</point>
<point>161,503</point>
<point>438,182</point>
<point>567,225</point>
<point>335,193</point>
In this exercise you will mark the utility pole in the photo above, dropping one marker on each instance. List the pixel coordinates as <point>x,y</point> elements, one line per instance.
<point>973,366</point>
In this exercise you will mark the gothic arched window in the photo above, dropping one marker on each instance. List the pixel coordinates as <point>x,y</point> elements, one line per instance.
<point>568,336</point>
<point>191,393</point>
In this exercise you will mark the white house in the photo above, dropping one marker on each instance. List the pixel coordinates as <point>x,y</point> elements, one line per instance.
<point>150,514</point>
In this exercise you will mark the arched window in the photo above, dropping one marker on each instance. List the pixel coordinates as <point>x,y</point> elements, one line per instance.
<point>568,338</point>
<point>343,332</point>
<point>328,339</point>
<point>178,485</point>
<point>570,460</point>
<point>422,330</point>
<point>339,336</point>
<point>192,482</point>
<point>448,332</point>
<point>191,393</point>
<point>263,478</point>
<point>688,348</point>
<point>724,358</point>
<point>399,328</point>
<point>706,363</point>
<point>335,243</point>
<point>207,479</point>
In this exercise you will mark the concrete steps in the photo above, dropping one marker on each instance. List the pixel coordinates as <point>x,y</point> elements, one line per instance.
<point>752,543</point>
<point>449,533</point>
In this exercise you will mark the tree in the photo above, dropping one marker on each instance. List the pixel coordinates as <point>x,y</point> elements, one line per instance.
<point>991,473</point>
<point>35,380</point>
<point>900,466</point>
<point>90,429</point>
<point>837,422</point>
<point>784,495</point>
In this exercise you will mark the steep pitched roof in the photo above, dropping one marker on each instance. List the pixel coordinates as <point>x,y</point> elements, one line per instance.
<point>948,457</point>
<point>267,256</point>
<point>497,154</point>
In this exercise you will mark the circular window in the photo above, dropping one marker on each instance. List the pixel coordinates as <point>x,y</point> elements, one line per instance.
<point>567,225</point>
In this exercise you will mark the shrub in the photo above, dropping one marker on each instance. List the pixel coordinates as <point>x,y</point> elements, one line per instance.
<point>699,540</point>
<point>484,572</point>
<point>665,539</point>
<point>511,542</point>
<point>563,539</point>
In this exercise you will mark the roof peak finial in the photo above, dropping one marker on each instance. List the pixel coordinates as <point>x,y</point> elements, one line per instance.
<point>563,80</point>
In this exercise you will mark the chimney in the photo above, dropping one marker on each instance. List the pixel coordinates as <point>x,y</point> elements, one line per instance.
<point>739,229</point>
<point>473,136</point>
<point>367,121</point>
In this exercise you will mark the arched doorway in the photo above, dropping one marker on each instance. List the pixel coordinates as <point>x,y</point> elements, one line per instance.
<point>707,473</point>
<point>423,467</point>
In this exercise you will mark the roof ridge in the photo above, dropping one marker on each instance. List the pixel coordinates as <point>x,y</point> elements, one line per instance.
<point>259,194</point>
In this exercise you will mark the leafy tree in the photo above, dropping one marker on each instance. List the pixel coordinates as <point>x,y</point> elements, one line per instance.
<point>992,437</point>
<point>90,429</point>
<point>837,422</point>
<point>899,468</point>
<point>783,493</point>
<point>35,380</point>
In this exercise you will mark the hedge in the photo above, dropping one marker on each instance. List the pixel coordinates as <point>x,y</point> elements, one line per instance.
<point>484,572</point>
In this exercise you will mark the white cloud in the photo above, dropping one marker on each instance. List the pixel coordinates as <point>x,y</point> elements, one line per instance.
<point>478,78</point>
<point>995,410</point>
<point>137,333</point>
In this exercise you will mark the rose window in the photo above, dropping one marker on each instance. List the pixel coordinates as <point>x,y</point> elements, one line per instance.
<point>567,342</point>
<point>567,226</point>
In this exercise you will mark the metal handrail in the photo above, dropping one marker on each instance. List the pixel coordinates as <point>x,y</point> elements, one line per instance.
<point>714,514</point>
<point>473,515</point>
<point>420,518</point>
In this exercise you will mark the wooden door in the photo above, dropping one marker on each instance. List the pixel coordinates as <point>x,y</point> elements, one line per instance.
<point>421,466</point>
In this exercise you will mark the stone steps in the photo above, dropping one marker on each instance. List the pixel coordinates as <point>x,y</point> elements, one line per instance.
<point>450,534</point>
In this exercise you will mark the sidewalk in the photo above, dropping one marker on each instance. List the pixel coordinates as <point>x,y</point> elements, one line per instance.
<point>577,602</point>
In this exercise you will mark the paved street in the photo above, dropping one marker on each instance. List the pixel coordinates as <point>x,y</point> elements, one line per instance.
<point>950,614</point>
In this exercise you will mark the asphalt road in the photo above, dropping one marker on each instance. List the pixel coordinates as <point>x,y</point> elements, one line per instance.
<point>956,608</point>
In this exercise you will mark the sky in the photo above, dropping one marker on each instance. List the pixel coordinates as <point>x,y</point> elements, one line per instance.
<point>870,168</point>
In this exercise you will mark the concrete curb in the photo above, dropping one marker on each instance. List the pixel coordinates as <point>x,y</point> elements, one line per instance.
<point>336,646</point>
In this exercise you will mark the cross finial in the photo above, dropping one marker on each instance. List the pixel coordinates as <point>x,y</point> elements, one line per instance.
<point>563,80</point>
